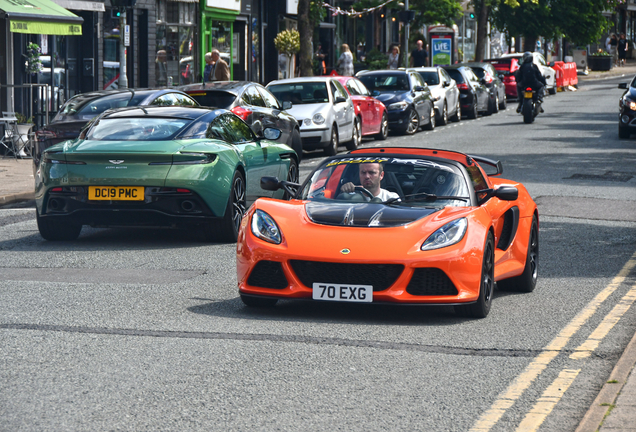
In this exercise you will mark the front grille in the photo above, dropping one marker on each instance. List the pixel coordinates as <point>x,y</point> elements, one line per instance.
<point>430,282</point>
<point>311,140</point>
<point>380,276</point>
<point>268,274</point>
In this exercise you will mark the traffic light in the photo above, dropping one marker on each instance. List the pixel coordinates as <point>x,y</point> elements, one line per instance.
<point>115,13</point>
<point>472,15</point>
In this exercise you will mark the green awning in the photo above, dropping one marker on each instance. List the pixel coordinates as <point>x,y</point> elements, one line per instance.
<point>40,17</point>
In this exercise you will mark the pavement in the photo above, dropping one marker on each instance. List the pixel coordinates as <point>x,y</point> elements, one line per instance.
<point>613,410</point>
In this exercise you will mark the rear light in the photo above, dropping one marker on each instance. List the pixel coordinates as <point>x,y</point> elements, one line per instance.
<point>56,189</point>
<point>179,190</point>
<point>462,86</point>
<point>529,89</point>
<point>47,159</point>
<point>241,112</point>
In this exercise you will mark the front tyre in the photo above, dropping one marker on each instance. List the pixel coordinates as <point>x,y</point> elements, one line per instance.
<point>296,143</point>
<point>54,230</point>
<point>332,148</point>
<point>292,176</point>
<point>384,128</point>
<point>526,281</point>
<point>481,307</point>
<point>413,122</point>
<point>443,118</point>
<point>431,120</point>
<point>623,132</point>
<point>356,136</point>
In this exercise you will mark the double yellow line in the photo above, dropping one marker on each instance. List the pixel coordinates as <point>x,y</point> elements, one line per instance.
<point>555,391</point>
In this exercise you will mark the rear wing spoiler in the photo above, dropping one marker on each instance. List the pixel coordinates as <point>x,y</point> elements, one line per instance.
<point>492,163</point>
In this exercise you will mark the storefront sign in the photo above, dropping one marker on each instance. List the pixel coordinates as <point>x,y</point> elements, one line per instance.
<point>441,50</point>
<point>234,5</point>
<point>47,28</point>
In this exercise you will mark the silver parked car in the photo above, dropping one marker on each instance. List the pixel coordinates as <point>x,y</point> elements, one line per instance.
<point>324,112</point>
<point>444,92</point>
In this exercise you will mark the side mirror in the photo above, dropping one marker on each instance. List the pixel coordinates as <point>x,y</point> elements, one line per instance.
<point>622,86</point>
<point>418,88</point>
<point>270,184</point>
<point>375,93</point>
<point>287,105</point>
<point>272,133</point>
<point>340,99</point>
<point>507,193</point>
<point>446,84</point>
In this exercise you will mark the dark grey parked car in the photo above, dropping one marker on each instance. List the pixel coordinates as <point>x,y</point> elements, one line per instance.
<point>77,111</point>
<point>252,102</point>
<point>491,79</point>
<point>473,94</point>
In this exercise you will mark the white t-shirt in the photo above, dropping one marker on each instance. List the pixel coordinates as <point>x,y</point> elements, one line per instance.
<point>385,195</point>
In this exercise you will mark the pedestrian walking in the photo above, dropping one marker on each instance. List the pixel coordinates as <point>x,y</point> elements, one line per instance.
<point>613,49</point>
<point>345,62</point>
<point>320,56</point>
<point>419,56</point>
<point>622,47</point>
<point>221,71</point>
<point>394,58</point>
<point>209,67</point>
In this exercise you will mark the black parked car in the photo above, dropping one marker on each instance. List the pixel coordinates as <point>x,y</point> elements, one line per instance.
<point>627,113</point>
<point>473,94</point>
<point>78,110</point>
<point>252,102</point>
<point>493,80</point>
<point>407,98</point>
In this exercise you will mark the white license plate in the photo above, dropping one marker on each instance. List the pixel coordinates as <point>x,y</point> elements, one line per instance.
<point>344,293</point>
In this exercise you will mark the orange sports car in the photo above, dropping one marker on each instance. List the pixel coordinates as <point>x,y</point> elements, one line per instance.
<point>392,225</point>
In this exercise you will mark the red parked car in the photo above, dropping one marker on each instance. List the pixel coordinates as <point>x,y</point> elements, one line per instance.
<point>371,112</point>
<point>507,67</point>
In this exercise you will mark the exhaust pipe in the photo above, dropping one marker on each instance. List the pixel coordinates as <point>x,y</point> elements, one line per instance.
<point>55,204</point>
<point>187,205</point>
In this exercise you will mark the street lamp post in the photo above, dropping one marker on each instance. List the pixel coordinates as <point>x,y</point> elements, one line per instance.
<point>122,82</point>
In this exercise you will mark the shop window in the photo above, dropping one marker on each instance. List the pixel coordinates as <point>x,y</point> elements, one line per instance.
<point>174,63</point>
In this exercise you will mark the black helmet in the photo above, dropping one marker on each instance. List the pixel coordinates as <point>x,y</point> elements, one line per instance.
<point>527,57</point>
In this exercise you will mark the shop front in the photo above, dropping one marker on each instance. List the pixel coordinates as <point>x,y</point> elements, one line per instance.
<point>217,31</point>
<point>38,36</point>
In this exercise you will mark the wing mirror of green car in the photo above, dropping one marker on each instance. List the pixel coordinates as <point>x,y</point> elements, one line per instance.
<point>272,133</point>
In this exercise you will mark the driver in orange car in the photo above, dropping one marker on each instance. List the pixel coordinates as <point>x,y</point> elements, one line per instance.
<point>371,174</point>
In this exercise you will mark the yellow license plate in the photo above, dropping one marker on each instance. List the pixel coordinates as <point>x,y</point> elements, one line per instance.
<point>528,95</point>
<point>116,193</point>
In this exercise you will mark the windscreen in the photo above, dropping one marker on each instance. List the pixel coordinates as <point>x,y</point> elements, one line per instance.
<point>136,129</point>
<point>431,78</point>
<point>416,182</point>
<point>456,75</point>
<point>213,98</point>
<point>386,82</point>
<point>301,93</point>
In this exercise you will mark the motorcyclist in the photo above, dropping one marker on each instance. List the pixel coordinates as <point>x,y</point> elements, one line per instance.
<point>528,75</point>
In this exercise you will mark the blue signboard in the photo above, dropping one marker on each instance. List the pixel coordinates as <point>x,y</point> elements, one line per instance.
<point>441,50</point>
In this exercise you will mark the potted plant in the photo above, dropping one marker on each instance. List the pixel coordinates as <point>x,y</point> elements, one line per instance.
<point>21,142</point>
<point>287,43</point>
<point>599,61</point>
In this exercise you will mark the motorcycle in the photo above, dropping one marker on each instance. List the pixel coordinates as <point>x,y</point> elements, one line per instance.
<point>531,105</point>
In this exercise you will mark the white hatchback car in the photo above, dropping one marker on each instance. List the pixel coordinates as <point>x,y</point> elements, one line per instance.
<point>324,112</point>
<point>548,73</point>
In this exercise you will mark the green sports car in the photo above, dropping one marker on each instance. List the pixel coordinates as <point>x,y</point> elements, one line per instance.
<point>158,166</point>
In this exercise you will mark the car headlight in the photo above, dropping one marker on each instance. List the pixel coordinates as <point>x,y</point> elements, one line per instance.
<point>318,119</point>
<point>447,235</point>
<point>397,106</point>
<point>631,104</point>
<point>264,227</point>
